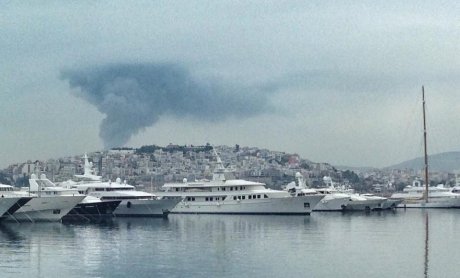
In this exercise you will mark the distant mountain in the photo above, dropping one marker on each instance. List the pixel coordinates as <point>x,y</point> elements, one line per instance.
<point>447,162</point>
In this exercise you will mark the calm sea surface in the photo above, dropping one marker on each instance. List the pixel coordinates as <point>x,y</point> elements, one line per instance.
<point>411,243</point>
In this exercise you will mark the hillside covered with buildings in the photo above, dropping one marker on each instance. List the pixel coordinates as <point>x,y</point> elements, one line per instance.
<point>149,167</point>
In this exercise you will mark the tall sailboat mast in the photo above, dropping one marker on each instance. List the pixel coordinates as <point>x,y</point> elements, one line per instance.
<point>424,141</point>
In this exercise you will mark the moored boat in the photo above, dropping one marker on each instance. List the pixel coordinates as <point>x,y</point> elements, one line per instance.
<point>46,204</point>
<point>332,201</point>
<point>132,202</point>
<point>92,209</point>
<point>418,196</point>
<point>356,201</point>
<point>223,195</point>
<point>413,196</point>
<point>9,202</point>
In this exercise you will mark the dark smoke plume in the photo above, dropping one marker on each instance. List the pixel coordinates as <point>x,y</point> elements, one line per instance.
<point>135,96</point>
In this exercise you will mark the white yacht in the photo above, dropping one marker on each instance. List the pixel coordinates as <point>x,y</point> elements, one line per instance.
<point>438,196</point>
<point>365,202</point>
<point>389,203</point>
<point>332,201</point>
<point>133,202</point>
<point>88,210</point>
<point>48,203</point>
<point>357,201</point>
<point>10,203</point>
<point>235,196</point>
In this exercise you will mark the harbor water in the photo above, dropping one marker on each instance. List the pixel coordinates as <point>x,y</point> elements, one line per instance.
<point>401,243</point>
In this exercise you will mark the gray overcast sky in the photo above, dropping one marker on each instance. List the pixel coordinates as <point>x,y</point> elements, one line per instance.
<point>334,81</point>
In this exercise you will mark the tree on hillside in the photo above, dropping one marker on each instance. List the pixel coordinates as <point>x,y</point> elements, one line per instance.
<point>4,178</point>
<point>351,176</point>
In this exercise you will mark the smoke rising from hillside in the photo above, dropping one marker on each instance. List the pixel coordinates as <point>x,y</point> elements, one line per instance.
<point>135,96</point>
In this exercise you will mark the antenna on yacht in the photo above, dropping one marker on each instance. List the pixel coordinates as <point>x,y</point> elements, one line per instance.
<point>219,171</point>
<point>424,141</point>
<point>87,167</point>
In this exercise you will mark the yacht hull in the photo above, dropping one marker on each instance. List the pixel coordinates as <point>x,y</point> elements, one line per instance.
<point>391,203</point>
<point>331,203</point>
<point>365,205</point>
<point>145,207</point>
<point>301,205</point>
<point>92,211</point>
<point>9,205</point>
<point>432,203</point>
<point>47,209</point>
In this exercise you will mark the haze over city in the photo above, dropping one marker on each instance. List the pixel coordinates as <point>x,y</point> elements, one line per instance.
<point>336,81</point>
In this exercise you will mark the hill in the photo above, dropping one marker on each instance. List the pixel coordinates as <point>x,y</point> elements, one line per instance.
<point>446,162</point>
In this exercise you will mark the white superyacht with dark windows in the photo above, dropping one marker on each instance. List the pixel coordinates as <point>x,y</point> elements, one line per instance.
<point>235,196</point>
<point>133,202</point>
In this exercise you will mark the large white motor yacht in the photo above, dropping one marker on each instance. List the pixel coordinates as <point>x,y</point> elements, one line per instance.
<point>235,196</point>
<point>48,203</point>
<point>133,202</point>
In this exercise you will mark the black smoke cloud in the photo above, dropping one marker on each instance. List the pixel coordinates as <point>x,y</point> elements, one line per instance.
<point>135,96</point>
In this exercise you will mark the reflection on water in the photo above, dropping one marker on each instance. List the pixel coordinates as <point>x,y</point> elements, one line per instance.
<point>385,244</point>
<point>10,236</point>
<point>426,245</point>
